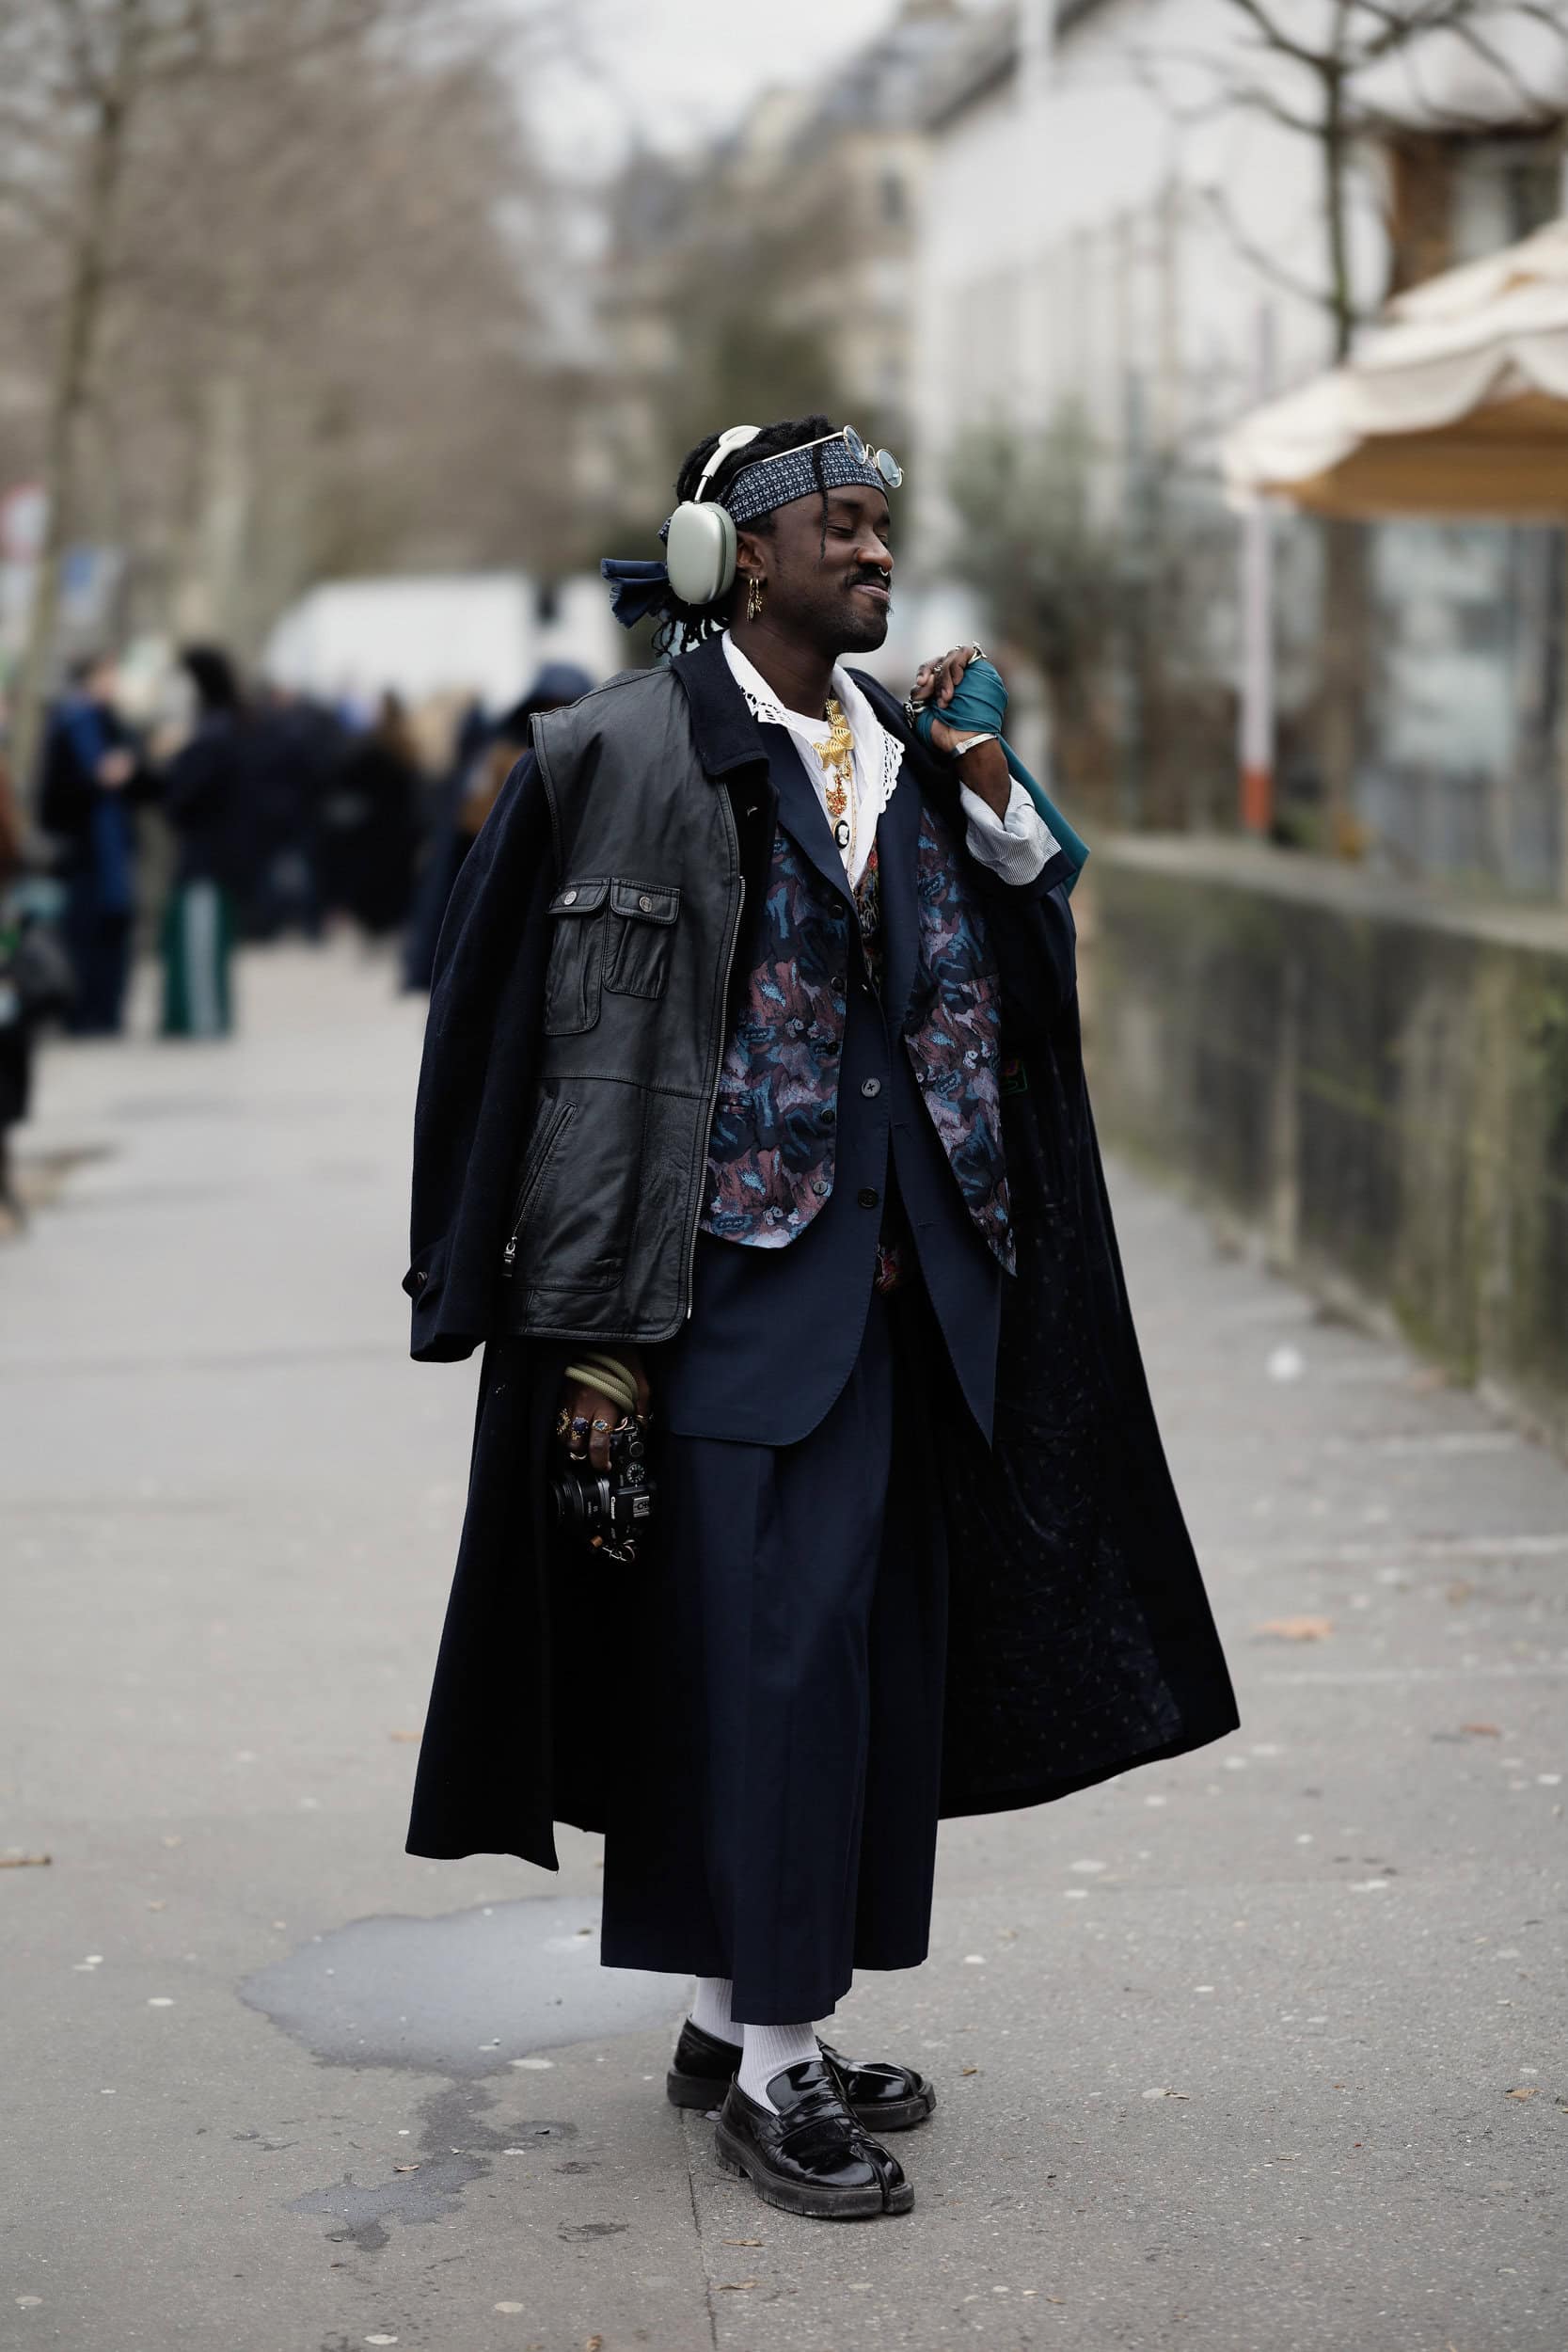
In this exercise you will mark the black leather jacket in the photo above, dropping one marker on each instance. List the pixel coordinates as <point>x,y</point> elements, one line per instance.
<point>580,1008</point>
<point>643,925</point>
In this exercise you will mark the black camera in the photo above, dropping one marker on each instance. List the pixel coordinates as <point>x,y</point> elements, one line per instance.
<point>609,1513</point>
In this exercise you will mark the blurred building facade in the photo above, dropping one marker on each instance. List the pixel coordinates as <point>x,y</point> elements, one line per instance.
<point>1127,212</point>
<point>776,273</point>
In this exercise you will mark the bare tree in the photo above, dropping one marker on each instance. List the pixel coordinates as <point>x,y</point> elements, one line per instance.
<point>77,77</point>
<point>275,254</point>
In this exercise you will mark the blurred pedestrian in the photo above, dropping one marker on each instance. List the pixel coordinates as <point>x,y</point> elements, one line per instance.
<point>207,801</point>
<point>16,1043</point>
<point>485,756</point>
<point>36,983</point>
<point>296,751</point>
<point>94,778</point>
<point>369,824</point>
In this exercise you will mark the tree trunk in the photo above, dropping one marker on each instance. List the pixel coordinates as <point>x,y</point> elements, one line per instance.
<point>1344,610</point>
<point>67,399</point>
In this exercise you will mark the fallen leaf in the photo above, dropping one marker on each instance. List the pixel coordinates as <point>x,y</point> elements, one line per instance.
<point>1481,1731</point>
<point>968,2070</point>
<point>1526,2090</point>
<point>1458,1593</point>
<point>26,1861</point>
<point>403,1735</point>
<point>1296,1628</point>
<point>737,2286</point>
<point>414,2167</point>
<point>742,2241</point>
<point>158,1905</point>
<point>593,2344</point>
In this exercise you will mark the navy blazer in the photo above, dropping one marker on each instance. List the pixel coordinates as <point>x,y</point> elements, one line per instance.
<point>774,1333</point>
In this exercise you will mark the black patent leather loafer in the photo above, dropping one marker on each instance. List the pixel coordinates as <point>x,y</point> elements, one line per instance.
<point>806,2153</point>
<point>886,2097</point>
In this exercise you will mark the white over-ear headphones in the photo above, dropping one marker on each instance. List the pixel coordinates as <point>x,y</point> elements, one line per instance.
<point>699,547</point>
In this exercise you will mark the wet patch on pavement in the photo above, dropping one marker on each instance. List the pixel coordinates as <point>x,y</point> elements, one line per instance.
<point>362,2214</point>
<point>454,2147</point>
<point>466,1994</point>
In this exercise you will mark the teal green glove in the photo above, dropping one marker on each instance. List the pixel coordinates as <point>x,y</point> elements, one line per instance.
<point>979,707</point>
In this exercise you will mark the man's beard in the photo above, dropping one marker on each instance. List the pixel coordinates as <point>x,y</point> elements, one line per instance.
<point>859,623</point>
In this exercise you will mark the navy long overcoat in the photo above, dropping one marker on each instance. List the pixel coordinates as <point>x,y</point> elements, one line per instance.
<point>1081,1641</point>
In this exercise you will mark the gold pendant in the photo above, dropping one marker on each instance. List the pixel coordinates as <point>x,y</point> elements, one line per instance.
<point>837,757</point>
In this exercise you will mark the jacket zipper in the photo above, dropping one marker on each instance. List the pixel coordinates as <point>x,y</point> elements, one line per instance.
<point>530,1186</point>
<point>718,1057</point>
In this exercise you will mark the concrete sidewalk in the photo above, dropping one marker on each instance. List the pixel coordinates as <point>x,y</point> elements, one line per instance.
<point>1262,2049</point>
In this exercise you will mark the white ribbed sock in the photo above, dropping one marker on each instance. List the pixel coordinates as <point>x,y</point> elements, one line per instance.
<point>767,2050</point>
<point>710,2010</point>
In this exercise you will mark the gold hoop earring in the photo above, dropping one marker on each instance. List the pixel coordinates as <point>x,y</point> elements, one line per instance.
<point>753,599</point>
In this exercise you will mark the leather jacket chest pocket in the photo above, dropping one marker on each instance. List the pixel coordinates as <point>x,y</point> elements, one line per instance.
<point>641,932</point>
<point>607,933</point>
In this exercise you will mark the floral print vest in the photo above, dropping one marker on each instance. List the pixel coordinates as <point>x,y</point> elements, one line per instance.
<point>772,1146</point>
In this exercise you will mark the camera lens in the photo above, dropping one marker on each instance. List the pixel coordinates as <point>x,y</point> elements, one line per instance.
<point>579,1503</point>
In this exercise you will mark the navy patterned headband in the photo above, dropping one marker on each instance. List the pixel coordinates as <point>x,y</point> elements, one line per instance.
<point>641,588</point>
<point>775,480</point>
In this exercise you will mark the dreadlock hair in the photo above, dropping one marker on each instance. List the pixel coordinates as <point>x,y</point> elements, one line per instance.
<point>685,625</point>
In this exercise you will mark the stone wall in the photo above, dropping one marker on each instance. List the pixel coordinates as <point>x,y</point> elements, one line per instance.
<point>1374,1083</point>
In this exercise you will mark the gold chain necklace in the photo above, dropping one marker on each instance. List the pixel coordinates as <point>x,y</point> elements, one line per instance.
<point>837,757</point>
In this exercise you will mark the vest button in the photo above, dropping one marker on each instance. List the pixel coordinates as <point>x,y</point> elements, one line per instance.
<point>866,1197</point>
<point>646,904</point>
<point>871,1086</point>
<point>568,898</point>
<point>830,1118</point>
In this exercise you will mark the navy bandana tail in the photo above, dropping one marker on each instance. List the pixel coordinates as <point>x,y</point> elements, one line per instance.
<point>641,587</point>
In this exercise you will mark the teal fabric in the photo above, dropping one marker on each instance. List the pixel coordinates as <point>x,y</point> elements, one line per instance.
<point>979,705</point>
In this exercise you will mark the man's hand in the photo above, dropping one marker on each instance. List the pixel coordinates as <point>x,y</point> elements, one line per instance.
<point>984,769</point>
<point>599,1413</point>
<point>936,681</point>
<point>115,770</point>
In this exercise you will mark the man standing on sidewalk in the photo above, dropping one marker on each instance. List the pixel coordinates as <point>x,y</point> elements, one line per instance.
<point>753,1100</point>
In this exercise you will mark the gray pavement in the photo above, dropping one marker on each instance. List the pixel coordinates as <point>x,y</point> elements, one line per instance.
<point>1260,2050</point>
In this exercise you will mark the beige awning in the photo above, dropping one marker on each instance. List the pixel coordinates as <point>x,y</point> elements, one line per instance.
<point>1457,406</point>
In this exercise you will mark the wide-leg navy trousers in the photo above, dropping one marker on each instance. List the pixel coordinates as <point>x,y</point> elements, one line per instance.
<point>776,1821</point>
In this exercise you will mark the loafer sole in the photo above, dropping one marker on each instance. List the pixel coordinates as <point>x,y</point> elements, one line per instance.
<point>820,2204</point>
<point>894,2115</point>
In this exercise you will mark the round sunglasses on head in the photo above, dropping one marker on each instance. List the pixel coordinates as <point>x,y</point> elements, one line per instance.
<point>882,461</point>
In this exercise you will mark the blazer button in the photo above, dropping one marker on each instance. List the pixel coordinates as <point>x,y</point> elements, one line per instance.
<point>871,1086</point>
<point>646,904</point>
<point>568,898</point>
<point>866,1197</point>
